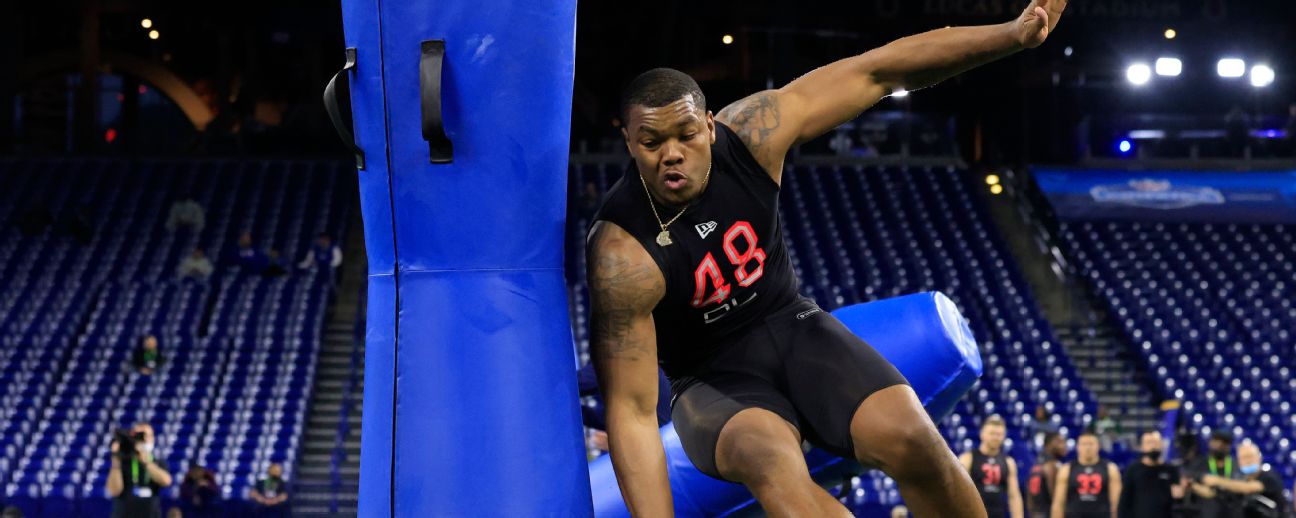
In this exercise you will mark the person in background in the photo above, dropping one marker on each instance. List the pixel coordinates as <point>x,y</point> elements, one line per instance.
<point>1150,485</point>
<point>136,479</point>
<point>993,472</point>
<point>271,494</point>
<point>199,493</point>
<point>899,511</point>
<point>1215,502</point>
<point>1090,487</point>
<point>175,512</point>
<point>1041,426</point>
<point>275,266</point>
<point>1106,428</point>
<point>1043,475</point>
<point>196,266</point>
<point>146,357</point>
<point>249,259</point>
<point>186,213</point>
<point>1259,489</point>
<point>324,256</point>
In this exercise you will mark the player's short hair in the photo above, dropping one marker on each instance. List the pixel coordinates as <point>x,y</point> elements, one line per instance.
<point>1050,436</point>
<point>1089,433</point>
<point>994,420</point>
<point>659,87</point>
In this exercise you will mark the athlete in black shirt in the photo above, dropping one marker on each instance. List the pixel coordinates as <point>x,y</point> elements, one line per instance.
<point>686,265</point>
<point>993,472</point>
<point>1090,487</point>
<point>1039,489</point>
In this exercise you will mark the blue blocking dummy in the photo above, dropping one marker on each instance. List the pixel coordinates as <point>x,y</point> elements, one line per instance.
<point>461,114</point>
<point>923,335</point>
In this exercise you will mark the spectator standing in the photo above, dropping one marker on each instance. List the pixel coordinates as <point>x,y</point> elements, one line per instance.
<point>136,479</point>
<point>1214,501</point>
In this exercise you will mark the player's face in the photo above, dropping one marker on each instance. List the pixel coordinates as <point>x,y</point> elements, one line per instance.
<point>671,146</point>
<point>1087,447</point>
<point>992,436</point>
<point>1057,447</point>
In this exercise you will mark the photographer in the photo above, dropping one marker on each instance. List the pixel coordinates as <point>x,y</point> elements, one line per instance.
<point>136,479</point>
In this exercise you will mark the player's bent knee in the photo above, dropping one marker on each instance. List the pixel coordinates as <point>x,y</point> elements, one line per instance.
<point>755,451</point>
<point>909,452</point>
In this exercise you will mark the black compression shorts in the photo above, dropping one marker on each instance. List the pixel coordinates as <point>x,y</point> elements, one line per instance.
<point>800,363</point>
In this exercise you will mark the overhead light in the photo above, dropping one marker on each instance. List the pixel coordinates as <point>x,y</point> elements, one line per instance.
<point>900,93</point>
<point>1068,51</point>
<point>992,179</point>
<point>996,189</point>
<point>1169,67</point>
<point>146,23</point>
<point>727,39</point>
<point>153,34</point>
<point>1231,67</point>
<point>1262,76</point>
<point>1170,34</point>
<point>1138,74</point>
<point>1147,134</point>
<point>1125,146</point>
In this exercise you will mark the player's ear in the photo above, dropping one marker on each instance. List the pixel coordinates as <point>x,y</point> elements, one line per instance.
<point>711,125</point>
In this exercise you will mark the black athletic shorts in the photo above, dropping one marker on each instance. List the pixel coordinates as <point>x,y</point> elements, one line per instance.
<point>800,363</point>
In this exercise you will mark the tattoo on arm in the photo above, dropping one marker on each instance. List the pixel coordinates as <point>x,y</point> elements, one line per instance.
<point>621,292</point>
<point>755,119</point>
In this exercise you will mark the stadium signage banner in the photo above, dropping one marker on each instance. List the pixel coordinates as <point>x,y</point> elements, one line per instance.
<point>1172,196</point>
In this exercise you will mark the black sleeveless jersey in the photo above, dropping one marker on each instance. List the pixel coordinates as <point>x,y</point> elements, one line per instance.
<point>727,268</point>
<point>1039,493</point>
<point>1087,491</point>
<point>990,474</point>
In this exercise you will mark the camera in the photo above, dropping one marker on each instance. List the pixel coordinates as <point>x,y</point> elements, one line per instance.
<point>126,441</point>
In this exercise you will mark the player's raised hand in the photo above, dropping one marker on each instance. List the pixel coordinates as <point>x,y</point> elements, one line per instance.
<point>1037,21</point>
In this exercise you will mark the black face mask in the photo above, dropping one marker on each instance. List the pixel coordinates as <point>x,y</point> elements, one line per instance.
<point>1152,455</point>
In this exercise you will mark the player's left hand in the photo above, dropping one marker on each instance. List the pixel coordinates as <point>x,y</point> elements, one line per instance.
<point>1037,22</point>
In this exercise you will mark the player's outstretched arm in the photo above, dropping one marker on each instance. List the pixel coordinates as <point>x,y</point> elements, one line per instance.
<point>625,285</point>
<point>773,121</point>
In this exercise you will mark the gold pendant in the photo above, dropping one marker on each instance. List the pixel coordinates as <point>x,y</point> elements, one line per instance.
<point>663,238</point>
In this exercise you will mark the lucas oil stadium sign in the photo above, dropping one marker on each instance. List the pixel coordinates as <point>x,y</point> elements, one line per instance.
<point>1170,196</point>
<point>1156,194</point>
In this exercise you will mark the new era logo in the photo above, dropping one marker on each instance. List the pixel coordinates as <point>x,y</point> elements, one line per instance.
<point>705,229</point>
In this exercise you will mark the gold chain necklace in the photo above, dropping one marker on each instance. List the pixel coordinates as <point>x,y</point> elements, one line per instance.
<point>663,238</point>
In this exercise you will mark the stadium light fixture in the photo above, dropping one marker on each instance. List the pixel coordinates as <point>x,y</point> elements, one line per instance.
<point>1138,74</point>
<point>727,39</point>
<point>992,179</point>
<point>146,23</point>
<point>1169,67</point>
<point>1171,34</point>
<point>1262,76</point>
<point>1231,68</point>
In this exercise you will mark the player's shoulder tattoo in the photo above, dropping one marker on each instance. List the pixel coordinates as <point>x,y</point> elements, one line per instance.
<point>755,118</point>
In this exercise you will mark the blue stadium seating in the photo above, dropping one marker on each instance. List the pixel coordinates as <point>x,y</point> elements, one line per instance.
<point>1209,308</point>
<point>238,350</point>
